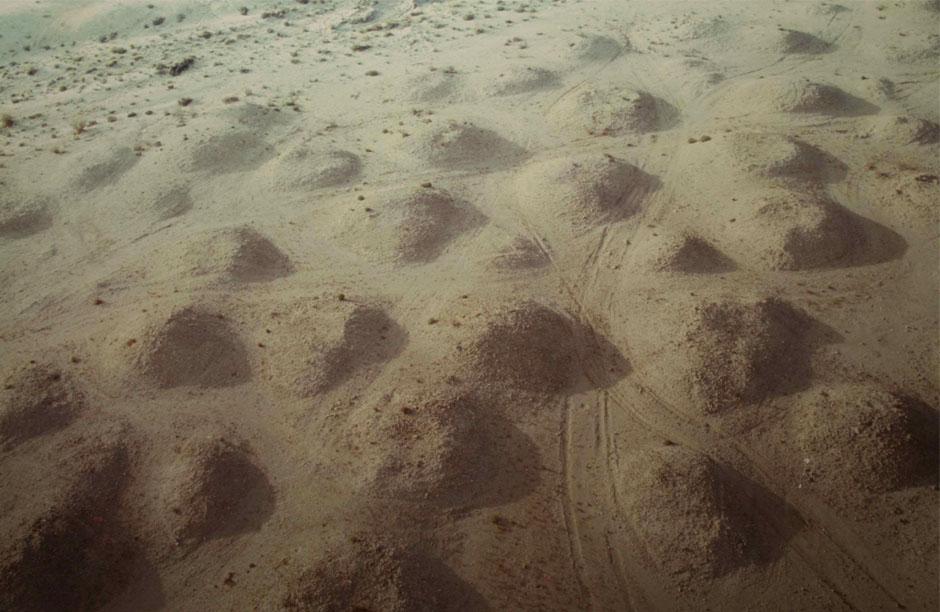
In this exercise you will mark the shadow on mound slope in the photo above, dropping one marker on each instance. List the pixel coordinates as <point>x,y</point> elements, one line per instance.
<point>879,243</point>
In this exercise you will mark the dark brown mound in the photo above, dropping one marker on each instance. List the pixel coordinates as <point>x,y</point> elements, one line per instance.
<point>613,111</point>
<point>586,190</point>
<point>446,448</point>
<point>782,157</point>
<point>213,489</point>
<point>919,48</point>
<point>813,233</point>
<point>423,222</point>
<point>251,257</point>
<point>256,116</point>
<point>790,95</point>
<point>793,41</point>
<point>528,346</point>
<point>108,171</point>
<point>860,437</point>
<point>521,79</point>
<point>413,227</point>
<point>195,348</point>
<point>684,253</point>
<point>369,336</point>
<point>809,97</point>
<point>22,219</point>
<point>173,204</point>
<point>463,144</point>
<point>76,556</point>
<point>37,400</point>
<point>920,131</point>
<point>314,169</point>
<point>744,352</point>
<point>381,579</point>
<point>695,256</point>
<point>234,152</point>
<point>236,254</point>
<point>908,130</point>
<point>520,254</point>
<point>432,87</point>
<point>697,519</point>
<point>804,230</point>
<point>595,48</point>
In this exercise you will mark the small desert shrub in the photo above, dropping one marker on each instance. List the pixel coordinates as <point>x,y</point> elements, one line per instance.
<point>79,125</point>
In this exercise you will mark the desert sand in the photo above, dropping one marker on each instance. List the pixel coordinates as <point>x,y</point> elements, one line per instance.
<point>508,305</point>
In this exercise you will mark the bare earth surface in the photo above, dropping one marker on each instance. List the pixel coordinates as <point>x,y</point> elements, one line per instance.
<point>516,305</point>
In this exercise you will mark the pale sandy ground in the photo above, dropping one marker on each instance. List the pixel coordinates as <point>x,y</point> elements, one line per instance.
<point>468,306</point>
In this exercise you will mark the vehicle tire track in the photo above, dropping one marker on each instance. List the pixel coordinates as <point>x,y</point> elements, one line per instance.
<point>571,527</point>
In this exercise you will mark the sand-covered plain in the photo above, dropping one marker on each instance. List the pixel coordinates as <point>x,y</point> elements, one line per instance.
<point>504,305</point>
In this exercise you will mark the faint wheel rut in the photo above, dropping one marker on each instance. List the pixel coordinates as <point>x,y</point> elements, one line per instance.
<point>571,527</point>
